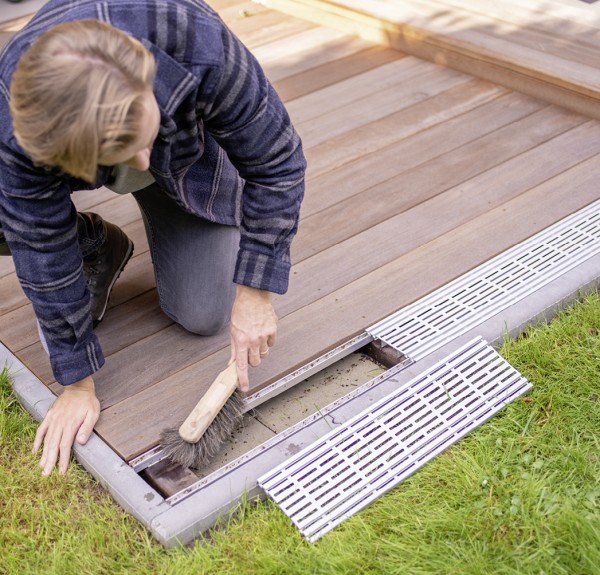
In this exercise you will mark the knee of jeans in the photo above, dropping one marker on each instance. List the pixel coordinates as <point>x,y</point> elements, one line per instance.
<point>204,322</point>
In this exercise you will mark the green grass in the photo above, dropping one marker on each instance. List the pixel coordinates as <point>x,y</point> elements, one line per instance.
<point>520,495</point>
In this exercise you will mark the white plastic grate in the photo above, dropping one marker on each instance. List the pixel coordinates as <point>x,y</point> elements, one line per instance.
<point>356,463</point>
<point>451,311</point>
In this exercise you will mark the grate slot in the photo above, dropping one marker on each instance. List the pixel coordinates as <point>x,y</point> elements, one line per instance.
<point>355,463</point>
<point>451,311</point>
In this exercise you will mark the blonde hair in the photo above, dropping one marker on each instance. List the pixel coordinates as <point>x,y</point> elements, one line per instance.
<point>77,94</point>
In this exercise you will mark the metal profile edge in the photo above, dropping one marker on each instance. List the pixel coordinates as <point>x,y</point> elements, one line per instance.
<point>307,370</point>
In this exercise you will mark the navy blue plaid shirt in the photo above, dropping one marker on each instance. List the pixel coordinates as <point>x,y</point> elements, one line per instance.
<point>226,151</point>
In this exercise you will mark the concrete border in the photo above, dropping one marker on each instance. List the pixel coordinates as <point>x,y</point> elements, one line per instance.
<point>183,517</point>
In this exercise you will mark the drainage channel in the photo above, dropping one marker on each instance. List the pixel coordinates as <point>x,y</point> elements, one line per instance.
<point>276,411</point>
<point>429,323</point>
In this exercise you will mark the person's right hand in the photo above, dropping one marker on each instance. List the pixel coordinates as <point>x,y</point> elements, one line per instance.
<point>71,418</point>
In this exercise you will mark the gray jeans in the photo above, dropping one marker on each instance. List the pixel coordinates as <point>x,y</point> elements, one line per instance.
<point>194,262</point>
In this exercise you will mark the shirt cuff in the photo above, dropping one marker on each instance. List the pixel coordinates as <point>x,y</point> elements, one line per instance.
<point>78,363</point>
<point>261,271</point>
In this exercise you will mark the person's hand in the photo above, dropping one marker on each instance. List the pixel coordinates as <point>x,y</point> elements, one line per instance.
<point>71,418</point>
<point>253,330</point>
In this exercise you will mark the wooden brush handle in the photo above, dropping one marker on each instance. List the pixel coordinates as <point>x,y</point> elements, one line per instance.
<point>208,407</point>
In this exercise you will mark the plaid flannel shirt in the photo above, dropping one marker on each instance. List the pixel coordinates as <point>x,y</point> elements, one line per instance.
<point>226,151</point>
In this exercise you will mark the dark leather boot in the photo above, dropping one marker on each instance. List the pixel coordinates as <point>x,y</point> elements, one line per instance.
<point>103,267</point>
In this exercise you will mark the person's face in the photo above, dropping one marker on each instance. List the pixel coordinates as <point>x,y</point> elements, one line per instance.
<point>137,154</point>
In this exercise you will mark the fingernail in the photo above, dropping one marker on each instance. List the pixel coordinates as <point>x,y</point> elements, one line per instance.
<point>82,438</point>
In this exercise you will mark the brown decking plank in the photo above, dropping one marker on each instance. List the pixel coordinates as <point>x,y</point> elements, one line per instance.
<point>444,124</point>
<point>123,325</point>
<point>430,213</point>
<point>329,73</point>
<point>329,270</point>
<point>259,26</point>
<point>11,294</point>
<point>301,52</point>
<point>135,368</point>
<point>393,76</point>
<point>348,310</point>
<point>452,38</point>
<point>18,329</point>
<point>555,21</point>
<point>6,266</point>
<point>349,147</point>
<point>222,5</point>
<point>120,209</point>
<point>88,200</point>
<point>380,104</point>
<point>5,37</point>
<point>365,209</point>
<point>547,40</point>
<point>132,321</point>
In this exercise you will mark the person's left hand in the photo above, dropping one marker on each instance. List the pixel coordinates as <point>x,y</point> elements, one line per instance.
<point>71,418</point>
<point>253,330</point>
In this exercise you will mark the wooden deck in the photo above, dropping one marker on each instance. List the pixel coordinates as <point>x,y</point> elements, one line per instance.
<point>417,174</point>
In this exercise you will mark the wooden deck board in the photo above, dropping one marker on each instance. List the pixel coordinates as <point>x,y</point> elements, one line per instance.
<point>329,73</point>
<point>370,207</point>
<point>416,174</point>
<point>488,110</point>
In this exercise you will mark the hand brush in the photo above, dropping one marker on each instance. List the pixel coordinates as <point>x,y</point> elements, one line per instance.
<point>209,424</point>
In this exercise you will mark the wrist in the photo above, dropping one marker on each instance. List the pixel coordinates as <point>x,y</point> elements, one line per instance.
<point>243,291</point>
<point>85,384</point>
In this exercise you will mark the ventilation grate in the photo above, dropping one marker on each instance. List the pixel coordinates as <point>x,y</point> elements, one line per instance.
<point>359,461</point>
<point>425,326</point>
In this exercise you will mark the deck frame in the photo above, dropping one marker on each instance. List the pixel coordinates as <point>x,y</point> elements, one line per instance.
<point>178,520</point>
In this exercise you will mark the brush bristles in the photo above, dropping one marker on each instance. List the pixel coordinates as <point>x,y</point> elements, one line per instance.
<point>197,455</point>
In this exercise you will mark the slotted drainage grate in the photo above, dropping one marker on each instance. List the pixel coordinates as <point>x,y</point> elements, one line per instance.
<point>419,329</point>
<point>359,461</point>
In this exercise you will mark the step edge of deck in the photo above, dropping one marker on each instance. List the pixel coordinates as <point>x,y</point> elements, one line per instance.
<point>444,50</point>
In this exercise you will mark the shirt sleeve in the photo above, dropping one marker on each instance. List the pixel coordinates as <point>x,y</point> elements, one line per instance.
<point>40,225</point>
<point>248,120</point>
